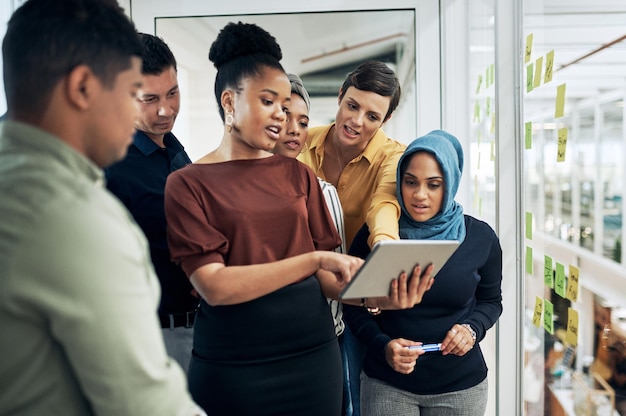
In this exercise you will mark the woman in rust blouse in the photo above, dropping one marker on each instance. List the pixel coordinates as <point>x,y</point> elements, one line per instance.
<point>252,232</point>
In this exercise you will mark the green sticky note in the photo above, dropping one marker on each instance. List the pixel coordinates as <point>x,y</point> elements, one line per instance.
<point>559,281</point>
<point>548,273</point>
<point>529,77</point>
<point>477,112</point>
<point>488,105</point>
<point>480,82</point>
<point>548,316</point>
<point>529,225</point>
<point>528,134</point>
<point>529,260</point>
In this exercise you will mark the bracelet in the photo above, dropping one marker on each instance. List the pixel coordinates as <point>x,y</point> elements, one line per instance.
<point>370,309</point>
<point>471,331</point>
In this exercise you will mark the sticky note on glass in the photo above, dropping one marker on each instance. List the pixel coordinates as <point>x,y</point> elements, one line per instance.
<point>549,66</point>
<point>548,316</point>
<point>538,311</point>
<point>572,284</point>
<point>529,260</point>
<point>548,273</point>
<point>538,68</point>
<point>560,101</point>
<point>529,225</point>
<point>529,77</point>
<point>493,124</point>
<point>492,73</point>
<point>528,134</point>
<point>559,281</point>
<point>571,336</point>
<point>529,48</point>
<point>561,144</point>
<point>479,84</point>
<point>488,105</point>
<point>492,155</point>
<point>477,112</point>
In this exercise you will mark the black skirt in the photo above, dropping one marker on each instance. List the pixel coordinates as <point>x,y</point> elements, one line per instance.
<point>276,355</point>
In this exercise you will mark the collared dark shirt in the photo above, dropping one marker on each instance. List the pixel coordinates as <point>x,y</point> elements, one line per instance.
<point>139,182</point>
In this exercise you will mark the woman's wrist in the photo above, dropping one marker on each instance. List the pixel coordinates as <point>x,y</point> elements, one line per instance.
<point>371,309</point>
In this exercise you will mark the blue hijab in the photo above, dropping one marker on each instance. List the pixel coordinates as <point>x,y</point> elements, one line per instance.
<point>449,223</point>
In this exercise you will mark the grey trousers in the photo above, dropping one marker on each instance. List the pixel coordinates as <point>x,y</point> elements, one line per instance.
<point>381,399</point>
<point>178,344</point>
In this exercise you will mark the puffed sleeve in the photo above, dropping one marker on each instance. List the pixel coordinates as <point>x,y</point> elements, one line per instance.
<point>192,240</point>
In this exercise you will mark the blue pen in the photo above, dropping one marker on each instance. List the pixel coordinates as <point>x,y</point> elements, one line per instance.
<point>426,347</point>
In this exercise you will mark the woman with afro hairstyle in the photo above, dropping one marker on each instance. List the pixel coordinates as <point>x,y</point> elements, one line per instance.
<point>251,230</point>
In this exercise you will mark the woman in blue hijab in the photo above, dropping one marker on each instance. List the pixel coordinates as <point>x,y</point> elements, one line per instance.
<point>463,303</point>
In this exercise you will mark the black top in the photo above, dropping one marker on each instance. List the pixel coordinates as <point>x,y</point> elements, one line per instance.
<point>139,182</point>
<point>467,289</point>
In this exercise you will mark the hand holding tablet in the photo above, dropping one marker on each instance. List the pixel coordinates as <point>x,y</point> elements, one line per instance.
<point>390,258</point>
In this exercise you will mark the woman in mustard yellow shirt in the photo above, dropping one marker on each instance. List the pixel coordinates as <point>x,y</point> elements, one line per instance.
<point>356,156</point>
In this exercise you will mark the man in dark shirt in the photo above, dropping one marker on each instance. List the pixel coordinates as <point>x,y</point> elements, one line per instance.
<point>139,182</point>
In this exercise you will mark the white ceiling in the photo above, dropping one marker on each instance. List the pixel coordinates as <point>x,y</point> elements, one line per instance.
<point>332,43</point>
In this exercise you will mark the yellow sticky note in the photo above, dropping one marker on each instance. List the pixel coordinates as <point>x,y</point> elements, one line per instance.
<point>529,260</point>
<point>548,273</point>
<point>493,123</point>
<point>529,77</point>
<point>528,135</point>
<point>492,73</point>
<point>571,336</point>
<point>529,225</point>
<point>479,136</point>
<point>549,66</point>
<point>538,311</point>
<point>487,78</point>
<point>529,48</point>
<point>538,68</point>
<point>548,316</point>
<point>560,101</point>
<point>559,281</point>
<point>572,284</point>
<point>561,144</point>
<point>480,82</point>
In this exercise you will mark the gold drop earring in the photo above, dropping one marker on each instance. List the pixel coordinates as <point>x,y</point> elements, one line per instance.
<point>229,121</point>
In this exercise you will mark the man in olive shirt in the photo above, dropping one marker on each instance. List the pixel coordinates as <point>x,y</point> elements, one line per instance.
<point>78,292</point>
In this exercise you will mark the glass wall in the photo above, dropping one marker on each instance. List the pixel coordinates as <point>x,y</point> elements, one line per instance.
<point>573,183</point>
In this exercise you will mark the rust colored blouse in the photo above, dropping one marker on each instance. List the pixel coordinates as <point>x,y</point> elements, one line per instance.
<point>246,212</point>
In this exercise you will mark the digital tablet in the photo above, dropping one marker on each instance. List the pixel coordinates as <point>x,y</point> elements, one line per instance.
<point>391,257</point>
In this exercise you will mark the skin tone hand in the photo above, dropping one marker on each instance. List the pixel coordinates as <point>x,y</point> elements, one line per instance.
<point>342,266</point>
<point>406,293</point>
<point>400,357</point>
<point>458,341</point>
